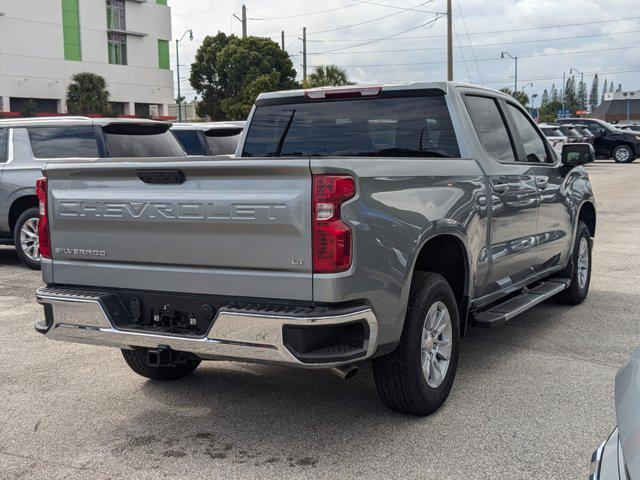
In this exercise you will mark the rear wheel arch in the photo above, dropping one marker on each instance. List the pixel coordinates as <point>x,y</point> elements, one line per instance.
<point>446,255</point>
<point>19,206</point>
<point>587,214</point>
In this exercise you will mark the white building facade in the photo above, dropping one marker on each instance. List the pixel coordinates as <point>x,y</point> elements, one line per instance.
<point>43,43</point>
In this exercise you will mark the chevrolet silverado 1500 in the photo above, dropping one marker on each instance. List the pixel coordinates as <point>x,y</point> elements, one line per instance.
<point>353,224</point>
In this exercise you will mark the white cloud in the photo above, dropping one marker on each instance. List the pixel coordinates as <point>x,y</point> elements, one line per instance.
<point>207,17</point>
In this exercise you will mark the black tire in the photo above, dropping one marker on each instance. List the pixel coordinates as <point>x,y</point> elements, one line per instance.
<point>399,376</point>
<point>578,290</point>
<point>30,214</point>
<point>625,152</point>
<point>137,360</point>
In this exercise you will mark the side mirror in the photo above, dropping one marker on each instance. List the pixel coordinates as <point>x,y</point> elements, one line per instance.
<point>574,154</point>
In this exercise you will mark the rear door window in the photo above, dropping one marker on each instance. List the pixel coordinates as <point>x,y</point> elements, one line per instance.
<point>63,142</point>
<point>190,141</point>
<point>491,127</point>
<point>418,126</point>
<point>132,140</point>
<point>223,141</point>
<point>534,146</point>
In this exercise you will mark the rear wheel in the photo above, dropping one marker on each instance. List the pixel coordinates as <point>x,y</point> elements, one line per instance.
<point>25,238</point>
<point>417,376</point>
<point>623,154</point>
<point>137,360</point>
<point>579,269</point>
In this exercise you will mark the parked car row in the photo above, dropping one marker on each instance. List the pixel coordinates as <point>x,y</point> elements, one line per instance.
<point>26,144</point>
<point>609,141</point>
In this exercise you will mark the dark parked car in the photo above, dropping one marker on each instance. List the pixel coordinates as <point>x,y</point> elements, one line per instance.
<point>618,458</point>
<point>209,139</point>
<point>26,144</point>
<point>608,140</point>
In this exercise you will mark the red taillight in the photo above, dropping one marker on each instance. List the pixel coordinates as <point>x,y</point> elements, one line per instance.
<point>331,236</point>
<point>43,223</point>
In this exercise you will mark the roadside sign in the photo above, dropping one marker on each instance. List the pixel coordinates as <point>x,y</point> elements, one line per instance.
<point>563,113</point>
<point>581,112</point>
<point>535,114</point>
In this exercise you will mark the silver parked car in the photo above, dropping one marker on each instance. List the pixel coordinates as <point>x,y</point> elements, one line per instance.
<point>209,139</point>
<point>27,144</point>
<point>555,137</point>
<point>619,457</point>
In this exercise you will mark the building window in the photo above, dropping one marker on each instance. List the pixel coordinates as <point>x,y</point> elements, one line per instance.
<point>163,55</point>
<point>116,15</point>
<point>71,30</point>
<point>117,48</point>
<point>161,2</point>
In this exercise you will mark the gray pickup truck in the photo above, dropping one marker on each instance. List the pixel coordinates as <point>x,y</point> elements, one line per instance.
<point>353,224</point>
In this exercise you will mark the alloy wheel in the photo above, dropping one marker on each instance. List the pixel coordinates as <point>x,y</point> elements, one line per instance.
<point>29,239</point>
<point>436,344</point>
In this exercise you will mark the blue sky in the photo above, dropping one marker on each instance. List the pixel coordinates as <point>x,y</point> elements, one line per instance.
<point>549,37</point>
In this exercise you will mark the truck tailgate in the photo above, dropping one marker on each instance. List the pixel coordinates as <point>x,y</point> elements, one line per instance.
<point>217,226</point>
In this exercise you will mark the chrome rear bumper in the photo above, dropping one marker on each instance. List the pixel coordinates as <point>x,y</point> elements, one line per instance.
<point>81,317</point>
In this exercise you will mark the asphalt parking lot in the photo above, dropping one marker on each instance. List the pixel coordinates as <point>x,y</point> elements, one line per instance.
<point>532,399</point>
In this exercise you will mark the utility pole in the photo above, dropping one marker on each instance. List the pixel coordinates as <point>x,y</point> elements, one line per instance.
<point>243,20</point>
<point>179,99</point>
<point>282,40</point>
<point>564,97</point>
<point>304,54</point>
<point>449,42</point>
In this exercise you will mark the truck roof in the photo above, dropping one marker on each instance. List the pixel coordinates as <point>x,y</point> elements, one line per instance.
<point>445,87</point>
<point>75,121</point>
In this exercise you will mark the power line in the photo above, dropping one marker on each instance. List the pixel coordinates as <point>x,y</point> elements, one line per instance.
<point>366,22</point>
<point>492,59</point>
<point>473,52</point>
<point>491,32</point>
<point>333,52</point>
<point>429,24</point>
<point>590,74</point>
<point>307,14</point>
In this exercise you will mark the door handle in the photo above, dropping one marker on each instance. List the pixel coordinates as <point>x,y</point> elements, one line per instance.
<point>500,188</point>
<point>541,183</point>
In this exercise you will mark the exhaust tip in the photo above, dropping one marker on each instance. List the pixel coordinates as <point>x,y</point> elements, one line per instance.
<point>345,372</point>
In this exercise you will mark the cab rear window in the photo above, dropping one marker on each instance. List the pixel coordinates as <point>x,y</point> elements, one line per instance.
<point>416,126</point>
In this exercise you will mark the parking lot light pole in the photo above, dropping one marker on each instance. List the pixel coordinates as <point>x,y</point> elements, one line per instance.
<point>583,86</point>
<point>502,55</point>
<point>179,99</point>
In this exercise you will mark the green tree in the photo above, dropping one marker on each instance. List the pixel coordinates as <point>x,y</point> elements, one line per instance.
<point>327,76</point>
<point>87,94</point>
<point>205,78</point>
<point>570,95</point>
<point>619,89</point>
<point>544,101</point>
<point>582,95</point>
<point>611,87</point>
<point>230,72</point>
<point>521,97</point>
<point>594,96</point>
<point>29,109</point>
<point>554,96</point>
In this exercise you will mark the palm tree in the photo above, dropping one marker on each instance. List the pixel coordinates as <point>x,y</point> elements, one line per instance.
<point>327,76</point>
<point>87,94</point>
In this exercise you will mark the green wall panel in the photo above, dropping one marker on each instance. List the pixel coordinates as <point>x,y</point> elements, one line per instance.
<point>71,30</point>
<point>163,55</point>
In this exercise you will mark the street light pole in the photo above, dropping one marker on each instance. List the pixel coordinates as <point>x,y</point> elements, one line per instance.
<point>582,85</point>
<point>515,59</point>
<point>179,99</point>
